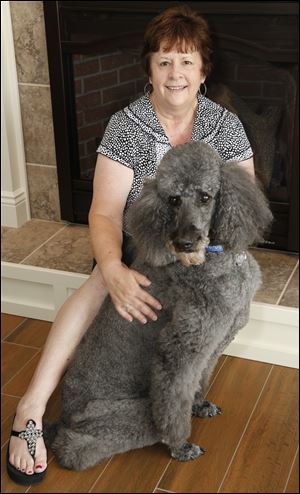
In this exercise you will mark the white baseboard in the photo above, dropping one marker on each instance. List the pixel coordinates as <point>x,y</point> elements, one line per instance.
<point>35,292</point>
<point>14,211</point>
<point>271,335</point>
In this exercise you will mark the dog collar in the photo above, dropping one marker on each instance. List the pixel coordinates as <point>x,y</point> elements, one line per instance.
<point>214,248</point>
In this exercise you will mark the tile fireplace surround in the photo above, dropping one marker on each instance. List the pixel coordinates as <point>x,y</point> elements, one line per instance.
<point>43,262</point>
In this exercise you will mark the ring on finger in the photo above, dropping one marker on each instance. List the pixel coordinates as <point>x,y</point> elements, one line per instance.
<point>126,307</point>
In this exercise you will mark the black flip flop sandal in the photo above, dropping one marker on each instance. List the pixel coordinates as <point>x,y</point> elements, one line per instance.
<point>31,434</point>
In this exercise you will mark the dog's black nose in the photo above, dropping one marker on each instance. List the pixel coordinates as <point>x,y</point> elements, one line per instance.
<point>183,245</point>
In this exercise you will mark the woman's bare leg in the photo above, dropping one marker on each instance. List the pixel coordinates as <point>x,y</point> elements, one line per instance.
<point>70,324</point>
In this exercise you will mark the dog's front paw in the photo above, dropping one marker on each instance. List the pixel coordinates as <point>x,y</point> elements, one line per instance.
<point>206,409</point>
<point>186,452</point>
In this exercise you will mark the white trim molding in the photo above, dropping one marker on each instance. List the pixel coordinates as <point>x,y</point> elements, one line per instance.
<point>271,335</point>
<point>15,208</point>
<point>35,292</point>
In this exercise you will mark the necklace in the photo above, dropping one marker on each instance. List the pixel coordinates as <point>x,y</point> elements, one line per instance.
<point>176,133</point>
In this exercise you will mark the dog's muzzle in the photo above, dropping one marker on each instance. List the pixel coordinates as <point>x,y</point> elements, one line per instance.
<point>187,239</point>
<point>184,246</point>
<point>188,252</point>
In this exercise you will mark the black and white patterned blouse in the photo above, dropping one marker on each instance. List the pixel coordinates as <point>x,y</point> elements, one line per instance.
<point>135,138</point>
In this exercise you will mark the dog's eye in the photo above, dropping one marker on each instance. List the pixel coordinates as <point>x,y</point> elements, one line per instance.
<point>174,200</point>
<point>204,197</point>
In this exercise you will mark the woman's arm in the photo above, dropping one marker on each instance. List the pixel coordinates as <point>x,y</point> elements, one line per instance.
<point>112,183</point>
<point>248,165</point>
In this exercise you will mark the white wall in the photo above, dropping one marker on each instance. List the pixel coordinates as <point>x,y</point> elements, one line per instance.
<point>15,209</point>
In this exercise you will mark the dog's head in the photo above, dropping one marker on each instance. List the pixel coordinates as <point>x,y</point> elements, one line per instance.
<point>195,200</point>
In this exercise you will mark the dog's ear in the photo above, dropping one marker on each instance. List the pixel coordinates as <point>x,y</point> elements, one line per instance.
<point>242,214</point>
<point>147,221</point>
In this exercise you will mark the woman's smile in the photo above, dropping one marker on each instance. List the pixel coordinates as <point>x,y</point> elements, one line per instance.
<point>176,88</point>
<point>173,74</point>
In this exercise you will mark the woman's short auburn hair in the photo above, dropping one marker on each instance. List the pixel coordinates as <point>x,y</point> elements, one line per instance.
<point>179,27</point>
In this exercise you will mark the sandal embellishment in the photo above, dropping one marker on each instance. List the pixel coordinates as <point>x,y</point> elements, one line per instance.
<point>31,434</point>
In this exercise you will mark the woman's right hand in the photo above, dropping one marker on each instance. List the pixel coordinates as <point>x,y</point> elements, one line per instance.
<point>129,298</point>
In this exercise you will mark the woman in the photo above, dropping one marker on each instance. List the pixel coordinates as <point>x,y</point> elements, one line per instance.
<point>176,57</point>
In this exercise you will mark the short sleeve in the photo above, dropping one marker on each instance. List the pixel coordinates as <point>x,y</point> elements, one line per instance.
<point>231,140</point>
<point>117,142</point>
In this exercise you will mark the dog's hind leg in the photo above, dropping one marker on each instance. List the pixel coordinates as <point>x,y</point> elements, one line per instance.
<point>76,450</point>
<point>102,429</point>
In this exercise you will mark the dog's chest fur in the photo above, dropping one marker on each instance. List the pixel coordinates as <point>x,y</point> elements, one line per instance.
<point>114,357</point>
<point>222,280</point>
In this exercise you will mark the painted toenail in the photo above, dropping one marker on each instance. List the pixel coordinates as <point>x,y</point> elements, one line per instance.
<point>39,466</point>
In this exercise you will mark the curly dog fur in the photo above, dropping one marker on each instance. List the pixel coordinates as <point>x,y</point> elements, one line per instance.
<point>131,385</point>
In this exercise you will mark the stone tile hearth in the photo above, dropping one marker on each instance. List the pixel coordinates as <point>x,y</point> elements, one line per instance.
<point>67,247</point>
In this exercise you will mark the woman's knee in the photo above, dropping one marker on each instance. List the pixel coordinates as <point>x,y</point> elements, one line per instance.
<point>95,282</point>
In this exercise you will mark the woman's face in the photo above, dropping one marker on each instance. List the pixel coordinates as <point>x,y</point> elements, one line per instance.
<point>175,76</point>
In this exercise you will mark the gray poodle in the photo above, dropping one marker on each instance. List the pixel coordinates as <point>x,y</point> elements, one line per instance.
<point>132,385</point>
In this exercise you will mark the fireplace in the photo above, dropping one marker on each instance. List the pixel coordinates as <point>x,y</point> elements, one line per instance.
<point>93,52</point>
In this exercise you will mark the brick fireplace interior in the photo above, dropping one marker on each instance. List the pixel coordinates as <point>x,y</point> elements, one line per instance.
<point>94,65</point>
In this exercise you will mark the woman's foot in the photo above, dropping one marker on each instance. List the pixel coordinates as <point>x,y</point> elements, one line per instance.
<point>19,455</point>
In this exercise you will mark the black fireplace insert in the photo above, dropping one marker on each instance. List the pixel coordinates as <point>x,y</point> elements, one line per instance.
<point>94,66</point>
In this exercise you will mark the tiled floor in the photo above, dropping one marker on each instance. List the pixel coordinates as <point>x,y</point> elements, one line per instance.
<point>67,247</point>
<point>251,447</point>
